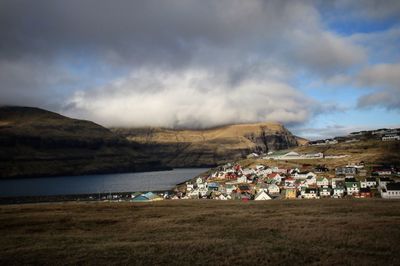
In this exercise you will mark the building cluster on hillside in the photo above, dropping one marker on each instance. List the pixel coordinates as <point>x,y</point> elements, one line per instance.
<point>383,134</point>
<point>292,155</point>
<point>232,182</point>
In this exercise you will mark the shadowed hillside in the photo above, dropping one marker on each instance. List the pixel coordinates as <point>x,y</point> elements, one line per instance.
<point>182,148</point>
<point>35,142</point>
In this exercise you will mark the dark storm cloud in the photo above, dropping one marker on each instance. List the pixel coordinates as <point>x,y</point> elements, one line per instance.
<point>175,59</point>
<point>163,32</point>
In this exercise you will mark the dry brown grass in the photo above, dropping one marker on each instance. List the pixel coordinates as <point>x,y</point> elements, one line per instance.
<point>343,232</point>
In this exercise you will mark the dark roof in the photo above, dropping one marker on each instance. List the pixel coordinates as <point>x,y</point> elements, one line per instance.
<point>365,190</point>
<point>308,190</point>
<point>393,186</point>
<point>244,187</point>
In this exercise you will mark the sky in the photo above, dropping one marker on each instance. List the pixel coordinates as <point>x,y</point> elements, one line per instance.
<point>322,68</point>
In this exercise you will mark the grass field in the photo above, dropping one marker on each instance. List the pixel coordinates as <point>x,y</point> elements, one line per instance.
<point>314,232</point>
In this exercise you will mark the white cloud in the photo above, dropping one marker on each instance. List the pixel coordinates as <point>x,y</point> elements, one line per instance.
<point>189,99</point>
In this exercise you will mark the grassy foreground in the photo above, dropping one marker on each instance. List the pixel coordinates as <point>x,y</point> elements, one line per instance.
<point>202,232</point>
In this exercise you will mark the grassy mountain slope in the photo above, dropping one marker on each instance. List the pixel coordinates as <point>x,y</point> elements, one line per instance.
<point>35,142</point>
<point>180,148</point>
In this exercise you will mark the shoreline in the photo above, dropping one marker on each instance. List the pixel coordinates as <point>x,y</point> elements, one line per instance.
<point>95,197</point>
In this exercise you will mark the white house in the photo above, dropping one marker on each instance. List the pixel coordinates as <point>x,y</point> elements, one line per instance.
<point>310,193</point>
<point>338,192</point>
<point>311,180</point>
<point>262,195</point>
<point>199,180</point>
<point>275,176</point>
<point>202,185</point>
<point>322,181</point>
<point>229,188</point>
<point>242,179</point>
<point>273,189</point>
<point>304,175</point>
<point>369,182</point>
<point>325,191</point>
<point>248,171</point>
<point>391,137</point>
<point>194,194</point>
<point>189,186</point>
<point>221,197</point>
<point>289,182</point>
<point>391,191</point>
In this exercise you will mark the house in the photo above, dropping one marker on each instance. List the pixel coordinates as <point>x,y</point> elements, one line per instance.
<point>321,169</point>
<point>391,191</point>
<point>300,184</point>
<point>383,181</point>
<point>244,189</point>
<point>289,182</point>
<point>346,171</point>
<point>282,171</point>
<point>248,171</point>
<point>275,176</point>
<point>382,171</point>
<point>252,155</point>
<point>311,180</point>
<point>310,193</point>
<point>290,193</point>
<point>304,175</point>
<point>242,179</point>
<point>221,197</point>
<point>149,196</point>
<point>338,191</point>
<point>273,189</point>
<point>336,180</point>
<point>365,193</point>
<point>189,186</point>
<point>213,186</point>
<point>199,180</point>
<point>369,182</point>
<point>293,171</point>
<point>262,195</point>
<point>390,137</point>
<point>194,194</point>
<point>322,181</point>
<point>229,188</point>
<point>325,192</point>
<point>352,186</point>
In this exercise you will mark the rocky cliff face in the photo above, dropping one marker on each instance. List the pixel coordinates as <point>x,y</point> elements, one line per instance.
<point>194,148</point>
<point>35,142</point>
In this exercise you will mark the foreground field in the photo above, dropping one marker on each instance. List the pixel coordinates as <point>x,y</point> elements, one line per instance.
<point>202,232</point>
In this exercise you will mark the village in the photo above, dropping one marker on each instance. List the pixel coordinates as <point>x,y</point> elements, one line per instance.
<point>233,182</point>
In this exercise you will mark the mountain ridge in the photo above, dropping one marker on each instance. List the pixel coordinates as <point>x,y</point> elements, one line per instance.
<point>212,146</point>
<point>37,142</point>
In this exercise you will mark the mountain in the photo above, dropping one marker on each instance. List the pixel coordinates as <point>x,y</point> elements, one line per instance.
<point>36,142</point>
<point>209,147</point>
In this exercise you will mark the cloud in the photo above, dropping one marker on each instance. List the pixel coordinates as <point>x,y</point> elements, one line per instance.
<point>385,80</point>
<point>189,99</point>
<point>30,80</point>
<point>367,9</point>
<point>170,63</point>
